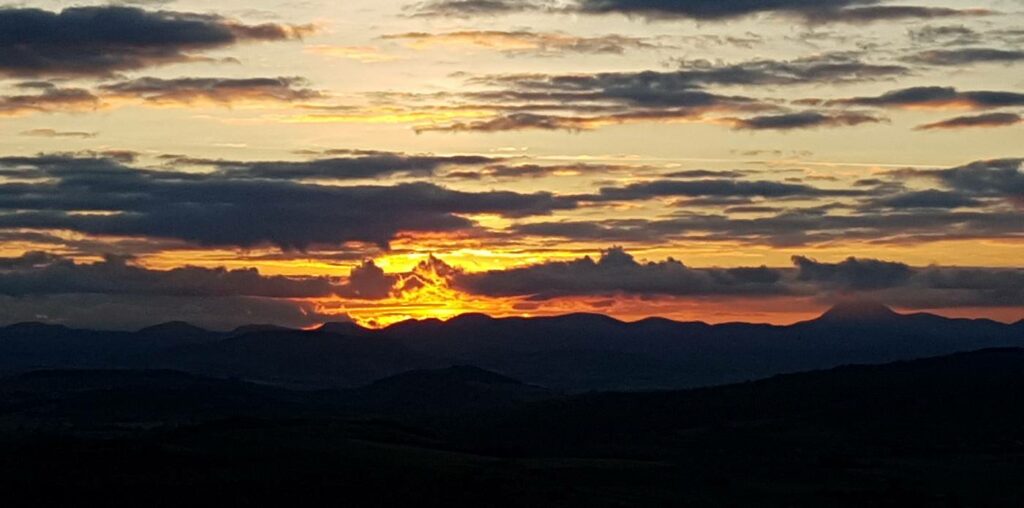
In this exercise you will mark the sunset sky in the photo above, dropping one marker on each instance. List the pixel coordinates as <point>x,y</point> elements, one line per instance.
<point>298,162</point>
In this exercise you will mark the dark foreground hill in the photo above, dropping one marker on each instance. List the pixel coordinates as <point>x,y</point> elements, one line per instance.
<point>574,353</point>
<point>946,431</point>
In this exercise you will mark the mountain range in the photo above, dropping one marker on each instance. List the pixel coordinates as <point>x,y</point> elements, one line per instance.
<point>943,431</point>
<point>569,353</point>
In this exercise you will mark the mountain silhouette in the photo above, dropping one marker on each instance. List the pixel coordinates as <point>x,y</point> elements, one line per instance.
<point>295,358</point>
<point>571,353</point>
<point>859,311</point>
<point>448,390</point>
<point>943,431</point>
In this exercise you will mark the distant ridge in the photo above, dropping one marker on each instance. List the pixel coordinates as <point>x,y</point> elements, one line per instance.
<point>173,327</point>
<point>568,353</point>
<point>453,389</point>
<point>455,373</point>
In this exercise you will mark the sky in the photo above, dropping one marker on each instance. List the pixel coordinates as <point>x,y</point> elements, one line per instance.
<point>301,162</point>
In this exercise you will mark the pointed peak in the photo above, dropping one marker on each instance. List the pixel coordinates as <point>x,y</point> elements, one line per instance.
<point>858,310</point>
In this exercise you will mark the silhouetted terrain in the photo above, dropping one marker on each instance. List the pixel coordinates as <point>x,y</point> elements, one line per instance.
<point>604,354</point>
<point>479,411</point>
<point>946,431</point>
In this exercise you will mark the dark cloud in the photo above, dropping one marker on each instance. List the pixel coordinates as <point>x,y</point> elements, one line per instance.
<point>48,99</point>
<point>579,102</point>
<point>616,271</point>
<point>931,198</point>
<point>513,122</point>
<point>102,40</point>
<point>966,56</point>
<point>983,120</point>
<point>792,227</point>
<point>38,273</point>
<point>368,282</point>
<point>31,259</point>
<point>349,166</point>
<point>871,14</point>
<point>833,68</point>
<point>707,173</point>
<point>912,287</point>
<point>852,273</point>
<point>131,312</point>
<point>803,120</point>
<point>470,8</point>
<point>525,42</point>
<point>219,90</point>
<point>716,188</point>
<point>54,133</point>
<point>660,87</point>
<point>992,178</point>
<point>951,34</point>
<point>520,171</point>
<point>713,9</point>
<point>215,209</point>
<point>937,97</point>
<point>814,11</point>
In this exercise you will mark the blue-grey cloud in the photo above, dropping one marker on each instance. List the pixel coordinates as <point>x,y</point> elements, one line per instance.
<point>102,40</point>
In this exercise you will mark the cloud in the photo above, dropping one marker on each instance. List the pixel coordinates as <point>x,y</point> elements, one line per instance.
<point>368,282</point>
<point>707,173</point>
<point>40,273</point>
<point>37,273</point>
<point>471,8</point>
<point>992,178</point>
<point>525,42</point>
<point>48,99</point>
<point>150,91</point>
<point>912,287</point>
<point>789,227</point>
<point>654,86</point>
<point>936,97</point>
<point>102,40</point>
<point>852,273</point>
<point>833,68</point>
<point>587,101</point>
<point>519,171</point>
<point>131,312</point>
<point>220,210</point>
<point>983,120</point>
<point>930,198</point>
<point>871,14</point>
<point>216,90</point>
<point>517,122</point>
<point>345,165</point>
<point>616,271</point>
<point>966,56</point>
<point>812,11</point>
<point>950,34</point>
<point>53,133</point>
<point>580,102</point>
<point>803,120</point>
<point>715,188</point>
